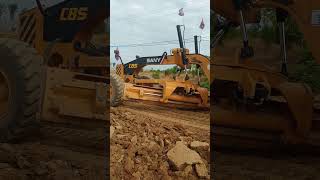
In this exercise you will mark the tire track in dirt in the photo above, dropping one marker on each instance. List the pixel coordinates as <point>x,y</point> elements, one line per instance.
<point>89,141</point>
<point>57,152</point>
<point>195,119</point>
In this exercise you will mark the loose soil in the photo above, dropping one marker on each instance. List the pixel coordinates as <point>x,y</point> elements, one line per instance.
<point>58,152</point>
<point>144,133</point>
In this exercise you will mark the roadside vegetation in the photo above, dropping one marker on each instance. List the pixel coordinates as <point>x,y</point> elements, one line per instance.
<point>192,73</point>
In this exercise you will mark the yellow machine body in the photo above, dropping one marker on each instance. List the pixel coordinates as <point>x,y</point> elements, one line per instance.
<point>287,108</point>
<point>179,91</point>
<point>67,91</point>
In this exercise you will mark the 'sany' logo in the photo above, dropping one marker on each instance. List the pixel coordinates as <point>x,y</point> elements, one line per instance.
<point>153,60</point>
<point>72,14</point>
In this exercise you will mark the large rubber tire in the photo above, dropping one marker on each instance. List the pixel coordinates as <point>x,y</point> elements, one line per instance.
<point>21,66</point>
<point>117,90</point>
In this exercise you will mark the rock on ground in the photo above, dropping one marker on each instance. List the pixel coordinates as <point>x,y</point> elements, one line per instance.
<point>201,170</point>
<point>180,156</point>
<point>199,145</point>
<point>111,131</point>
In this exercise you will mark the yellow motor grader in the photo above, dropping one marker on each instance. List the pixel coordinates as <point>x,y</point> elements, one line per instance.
<point>179,90</point>
<point>251,100</point>
<point>52,71</point>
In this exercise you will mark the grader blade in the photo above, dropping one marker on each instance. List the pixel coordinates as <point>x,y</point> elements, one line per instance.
<point>165,94</point>
<point>266,131</point>
<point>74,95</point>
<point>299,100</point>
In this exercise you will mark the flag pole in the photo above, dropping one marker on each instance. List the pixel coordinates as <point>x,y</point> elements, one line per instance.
<point>183,20</point>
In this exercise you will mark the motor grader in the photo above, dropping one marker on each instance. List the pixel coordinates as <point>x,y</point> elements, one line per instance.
<point>52,71</point>
<point>250,100</point>
<point>177,91</point>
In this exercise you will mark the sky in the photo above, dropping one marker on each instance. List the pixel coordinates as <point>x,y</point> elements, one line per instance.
<point>145,21</point>
<point>6,23</point>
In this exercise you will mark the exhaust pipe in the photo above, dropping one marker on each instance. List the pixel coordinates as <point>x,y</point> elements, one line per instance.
<point>184,58</point>
<point>196,46</point>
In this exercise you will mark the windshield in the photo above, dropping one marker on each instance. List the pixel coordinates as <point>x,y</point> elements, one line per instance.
<point>49,3</point>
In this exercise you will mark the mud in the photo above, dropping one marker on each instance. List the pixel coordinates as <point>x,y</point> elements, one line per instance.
<point>143,135</point>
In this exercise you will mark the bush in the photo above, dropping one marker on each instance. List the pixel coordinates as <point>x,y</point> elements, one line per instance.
<point>156,74</point>
<point>205,84</point>
<point>172,70</point>
<point>307,71</point>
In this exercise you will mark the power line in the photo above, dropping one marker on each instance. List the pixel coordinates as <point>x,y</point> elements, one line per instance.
<point>167,41</point>
<point>144,22</point>
<point>147,45</point>
<point>144,45</point>
<point>159,43</point>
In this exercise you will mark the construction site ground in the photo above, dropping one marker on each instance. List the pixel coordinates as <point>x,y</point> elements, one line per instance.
<point>247,166</point>
<point>143,134</point>
<point>57,152</point>
<point>269,161</point>
<point>137,153</point>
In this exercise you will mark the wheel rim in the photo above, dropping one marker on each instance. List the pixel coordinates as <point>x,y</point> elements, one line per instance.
<point>4,95</point>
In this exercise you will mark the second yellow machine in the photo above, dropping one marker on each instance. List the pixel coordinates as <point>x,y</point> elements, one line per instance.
<point>179,90</point>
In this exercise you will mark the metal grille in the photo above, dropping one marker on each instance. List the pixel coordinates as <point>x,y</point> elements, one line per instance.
<point>27,32</point>
<point>119,70</point>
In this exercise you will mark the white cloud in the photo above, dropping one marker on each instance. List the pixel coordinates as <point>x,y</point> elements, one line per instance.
<point>143,21</point>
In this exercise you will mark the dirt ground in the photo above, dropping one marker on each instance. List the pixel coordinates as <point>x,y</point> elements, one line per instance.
<point>292,163</point>
<point>230,166</point>
<point>143,135</point>
<point>57,153</point>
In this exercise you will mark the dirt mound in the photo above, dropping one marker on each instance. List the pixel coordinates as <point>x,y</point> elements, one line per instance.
<point>144,134</point>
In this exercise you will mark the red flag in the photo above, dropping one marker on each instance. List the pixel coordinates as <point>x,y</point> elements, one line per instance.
<point>181,13</point>
<point>201,24</point>
<point>117,54</point>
